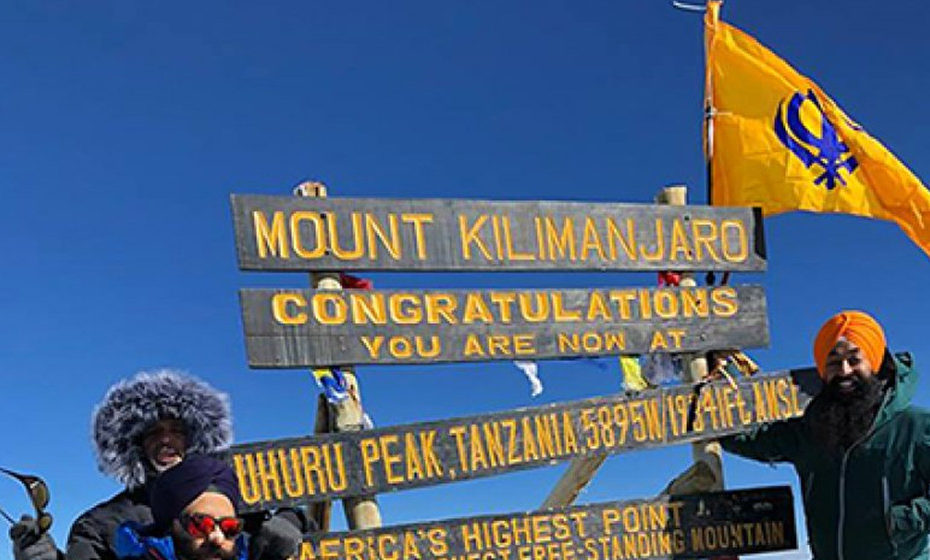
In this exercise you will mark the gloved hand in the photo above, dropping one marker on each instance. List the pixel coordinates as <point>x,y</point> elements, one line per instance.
<point>276,539</point>
<point>31,544</point>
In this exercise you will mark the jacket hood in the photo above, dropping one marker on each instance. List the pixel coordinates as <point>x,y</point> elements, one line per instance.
<point>902,388</point>
<point>132,406</point>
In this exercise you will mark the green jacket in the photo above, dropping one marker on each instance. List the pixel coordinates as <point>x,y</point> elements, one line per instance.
<point>872,503</point>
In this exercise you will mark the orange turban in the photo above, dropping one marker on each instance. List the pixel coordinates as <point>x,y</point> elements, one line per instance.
<point>856,327</point>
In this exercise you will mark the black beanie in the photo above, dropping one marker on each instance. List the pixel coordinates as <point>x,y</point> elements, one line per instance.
<point>174,489</point>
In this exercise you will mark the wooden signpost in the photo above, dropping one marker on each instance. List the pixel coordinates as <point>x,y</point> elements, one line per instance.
<point>297,328</point>
<point>288,233</point>
<point>296,470</point>
<point>694,526</point>
<point>301,328</point>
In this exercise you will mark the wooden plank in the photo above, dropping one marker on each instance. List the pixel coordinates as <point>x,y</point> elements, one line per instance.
<point>298,328</point>
<point>297,470</point>
<point>290,233</point>
<point>735,522</point>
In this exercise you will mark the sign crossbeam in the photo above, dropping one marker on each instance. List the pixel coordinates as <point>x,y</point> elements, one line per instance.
<point>293,471</point>
<point>297,328</point>
<point>287,233</point>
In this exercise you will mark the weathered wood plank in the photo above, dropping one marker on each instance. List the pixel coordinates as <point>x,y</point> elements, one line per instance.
<point>696,526</point>
<point>296,470</point>
<point>288,233</point>
<point>299,328</point>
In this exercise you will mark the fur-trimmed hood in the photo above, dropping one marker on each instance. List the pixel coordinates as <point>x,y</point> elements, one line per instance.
<point>132,406</point>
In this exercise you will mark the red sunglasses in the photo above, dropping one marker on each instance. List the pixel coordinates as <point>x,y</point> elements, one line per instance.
<point>200,525</point>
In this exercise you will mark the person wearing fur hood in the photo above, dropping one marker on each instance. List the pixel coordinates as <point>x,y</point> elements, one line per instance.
<point>143,426</point>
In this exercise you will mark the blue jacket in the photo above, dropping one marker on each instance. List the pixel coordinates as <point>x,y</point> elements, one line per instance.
<point>129,543</point>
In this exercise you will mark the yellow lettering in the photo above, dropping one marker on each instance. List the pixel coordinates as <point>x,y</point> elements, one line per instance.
<point>409,314</point>
<point>440,305</point>
<point>473,346</point>
<point>503,301</point>
<point>659,252</point>
<point>524,344</point>
<point>563,241</point>
<point>704,241</point>
<point>679,242</point>
<point>319,235</point>
<point>373,345</point>
<point>323,302</point>
<point>676,336</point>
<point>281,313</point>
<point>591,240</point>
<point>597,307</point>
<point>476,309</point>
<point>666,304</point>
<point>340,253</point>
<point>368,307</point>
<point>512,254</point>
<point>560,313</point>
<point>540,313</point>
<point>370,456</point>
<point>270,239</point>
<point>725,301</point>
<point>418,220</point>
<point>742,240</point>
<point>658,342</point>
<point>468,236</point>
<point>374,230</point>
<point>694,302</point>
<point>390,458</point>
<point>249,486</point>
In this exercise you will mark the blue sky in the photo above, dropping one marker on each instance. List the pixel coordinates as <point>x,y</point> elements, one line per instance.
<point>126,125</point>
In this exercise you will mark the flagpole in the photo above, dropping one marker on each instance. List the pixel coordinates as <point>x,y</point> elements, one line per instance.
<point>712,11</point>
<point>710,22</point>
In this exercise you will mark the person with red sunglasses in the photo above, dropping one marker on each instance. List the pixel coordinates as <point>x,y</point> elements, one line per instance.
<point>194,505</point>
<point>144,425</point>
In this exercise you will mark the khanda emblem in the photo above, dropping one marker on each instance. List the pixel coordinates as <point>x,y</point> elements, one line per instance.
<point>826,151</point>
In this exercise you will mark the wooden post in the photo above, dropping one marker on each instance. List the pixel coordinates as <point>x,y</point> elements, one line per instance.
<point>347,416</point>
<point>700,475</point>
<point>321,512</point>
<point>576,477</point>
<point>706,474</point>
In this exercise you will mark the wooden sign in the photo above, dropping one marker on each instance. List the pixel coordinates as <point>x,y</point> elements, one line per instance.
<point>312,234</point>
<point>305,328</point>
<point>694,526</point>
<point>297,470</point>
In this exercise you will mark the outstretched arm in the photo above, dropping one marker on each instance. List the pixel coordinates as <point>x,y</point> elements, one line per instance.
<point>773,443</point>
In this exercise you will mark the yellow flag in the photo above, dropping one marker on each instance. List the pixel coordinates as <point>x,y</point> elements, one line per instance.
<point>633,379</point>
<point>774,139</point>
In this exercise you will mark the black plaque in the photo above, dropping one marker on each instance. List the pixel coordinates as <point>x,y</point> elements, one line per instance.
<point>694,526</point>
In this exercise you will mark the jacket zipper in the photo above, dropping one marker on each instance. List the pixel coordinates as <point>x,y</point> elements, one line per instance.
<point>807,495</point>
<point>889,527</point>
<point>842,514</point>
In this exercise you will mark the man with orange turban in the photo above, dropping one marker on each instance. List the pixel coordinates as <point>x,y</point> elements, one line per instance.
<point>861,451</point>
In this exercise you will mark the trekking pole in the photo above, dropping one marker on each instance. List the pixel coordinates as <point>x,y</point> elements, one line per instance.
<point>7,516</point>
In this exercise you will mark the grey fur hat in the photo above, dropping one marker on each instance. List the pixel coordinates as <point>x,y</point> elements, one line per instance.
<point>132,406</point>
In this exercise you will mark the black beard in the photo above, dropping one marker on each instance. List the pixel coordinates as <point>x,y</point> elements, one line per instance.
<point>842,419</point>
